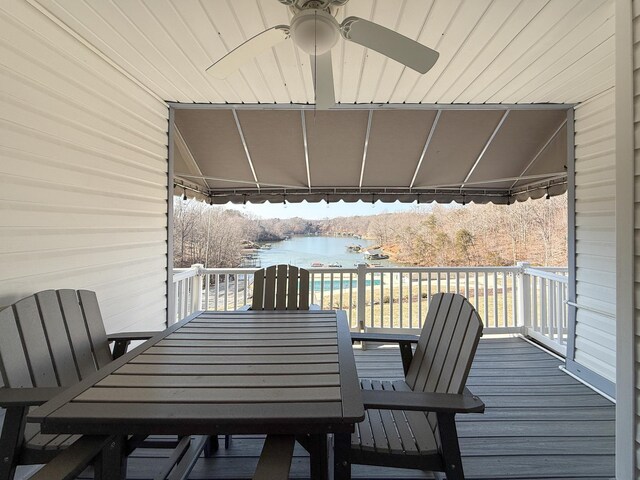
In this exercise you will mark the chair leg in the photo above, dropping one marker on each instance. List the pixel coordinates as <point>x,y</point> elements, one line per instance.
<point>11,440</point>
<point>227,441</point>
<point>111,464</point>
<point>450,446</point>
<point>211,446</point>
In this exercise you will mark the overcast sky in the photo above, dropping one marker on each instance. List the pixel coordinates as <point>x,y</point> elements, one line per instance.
<point>314,211</point>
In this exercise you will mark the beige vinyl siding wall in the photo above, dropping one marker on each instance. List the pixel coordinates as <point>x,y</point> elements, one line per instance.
<point>83,172</point>
<point>635,326</point>
<point>595,341</point>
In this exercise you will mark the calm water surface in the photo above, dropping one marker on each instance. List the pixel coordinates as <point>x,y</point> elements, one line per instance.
<point>303,251</point>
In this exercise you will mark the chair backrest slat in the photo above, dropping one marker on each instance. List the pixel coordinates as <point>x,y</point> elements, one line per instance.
<point>95,327</point>
<point>292,289</point>
<point>78,333</point>
<point>34,339</point>
<point>258,290</point>
<point>270,288</point>
<point>56,332</point>
<point>303,295</point>
<point>281,287</point>
<point>14,366</point>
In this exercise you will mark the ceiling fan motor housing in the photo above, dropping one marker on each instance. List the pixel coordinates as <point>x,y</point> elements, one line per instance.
<point>314,31</point>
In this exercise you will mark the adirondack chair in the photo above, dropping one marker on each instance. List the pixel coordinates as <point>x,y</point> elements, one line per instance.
<point>48,342</point>
<point>410,423</point>
<point>281,287</point>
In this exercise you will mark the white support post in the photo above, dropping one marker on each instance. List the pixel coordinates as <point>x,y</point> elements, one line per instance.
<point>361,298</point>
<point>523,296</point>
<point>196,293</point>
<point>362,295</point>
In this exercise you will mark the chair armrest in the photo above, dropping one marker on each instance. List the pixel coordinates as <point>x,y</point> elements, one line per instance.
<point>383,337</point>
<point>69,463</point>
<point>244,308</point>
<point>22,397</point>
<point>422,401</point>
<point>124,336</point>
<point>123,339</point>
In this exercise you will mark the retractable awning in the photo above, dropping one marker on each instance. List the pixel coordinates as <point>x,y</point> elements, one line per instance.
<point>495,154</point>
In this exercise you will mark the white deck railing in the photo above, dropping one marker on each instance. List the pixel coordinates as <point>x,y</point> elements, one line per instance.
<point>515,299</point>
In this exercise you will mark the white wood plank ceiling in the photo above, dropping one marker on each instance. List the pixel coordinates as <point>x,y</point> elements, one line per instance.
<point>491,51</point>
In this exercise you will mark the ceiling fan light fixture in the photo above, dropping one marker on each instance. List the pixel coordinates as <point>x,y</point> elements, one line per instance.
<point>315,31</point>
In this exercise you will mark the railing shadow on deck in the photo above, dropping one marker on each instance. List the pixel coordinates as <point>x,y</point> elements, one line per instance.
<point>511,300</point>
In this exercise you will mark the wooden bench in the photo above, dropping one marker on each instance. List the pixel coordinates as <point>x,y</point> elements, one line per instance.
<point>275,459</point>
<point>48,342</point>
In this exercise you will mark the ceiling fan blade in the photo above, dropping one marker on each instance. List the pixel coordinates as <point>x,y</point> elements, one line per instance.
<point>233,60</point>
<point>387,42</point>
<point>322,71</point>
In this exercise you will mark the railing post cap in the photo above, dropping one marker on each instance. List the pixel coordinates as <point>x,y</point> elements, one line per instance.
<point>523,264</point>
<point>198,267</point>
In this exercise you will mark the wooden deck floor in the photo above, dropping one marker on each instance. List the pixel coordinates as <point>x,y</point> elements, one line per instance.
<point>539,423</point>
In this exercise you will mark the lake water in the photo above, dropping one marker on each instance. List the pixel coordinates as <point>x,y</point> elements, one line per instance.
<point>303,251</point>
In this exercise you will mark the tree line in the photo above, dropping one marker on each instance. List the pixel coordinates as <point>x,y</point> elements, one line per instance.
<point>431,235</point>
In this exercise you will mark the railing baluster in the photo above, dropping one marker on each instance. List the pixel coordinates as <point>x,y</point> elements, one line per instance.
<point>351,300</point>
<point>485,294</point>
<point>235,293</point>
<point>544,329</point>
<point>504,299</point>
<point>475,289</point>
<point>419,299</point>
<point>391,295</point>
<point>495,299</point>
<point>381,297</point>
<point>410,302</point>
<point>245,278</point>
<point>217,290</point>
<point>457,282</point>
<point>331,290</point>
<point>401,300</point>
<point>341,290</point>
<point>371,299</point>
<point>322,291</point>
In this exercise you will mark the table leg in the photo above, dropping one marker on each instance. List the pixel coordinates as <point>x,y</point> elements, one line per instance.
<point>318,456</point>
<point>341,456</point>
<point>112,462</point>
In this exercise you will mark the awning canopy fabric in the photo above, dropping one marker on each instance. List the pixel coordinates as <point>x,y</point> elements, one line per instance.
<point>465,155</point>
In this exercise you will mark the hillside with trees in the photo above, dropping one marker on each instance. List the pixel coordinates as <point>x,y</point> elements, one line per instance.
<point>430,235</point>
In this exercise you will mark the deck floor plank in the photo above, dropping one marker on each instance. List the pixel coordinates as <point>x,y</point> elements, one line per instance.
<point>539,424</point>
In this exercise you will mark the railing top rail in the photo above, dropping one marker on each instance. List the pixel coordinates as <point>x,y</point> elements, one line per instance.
<point>371,269</point>
<point>235,271</point>
<point>551,269</point>
<point>546,275</point>
<point>183,273</point>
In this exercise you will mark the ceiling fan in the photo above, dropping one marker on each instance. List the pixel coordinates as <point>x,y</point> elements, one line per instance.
<point>315,31</point>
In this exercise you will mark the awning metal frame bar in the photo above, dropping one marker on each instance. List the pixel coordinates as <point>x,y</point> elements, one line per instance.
<point>426,146</point>
<point>537,155</point>
<point>365,148</point>
<point>181,143</point>
<point>246,147</point>
<point>306,147</point>
<point>486,147</point>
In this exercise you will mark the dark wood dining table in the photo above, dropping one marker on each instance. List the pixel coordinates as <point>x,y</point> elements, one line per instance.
<point>241,372</point>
